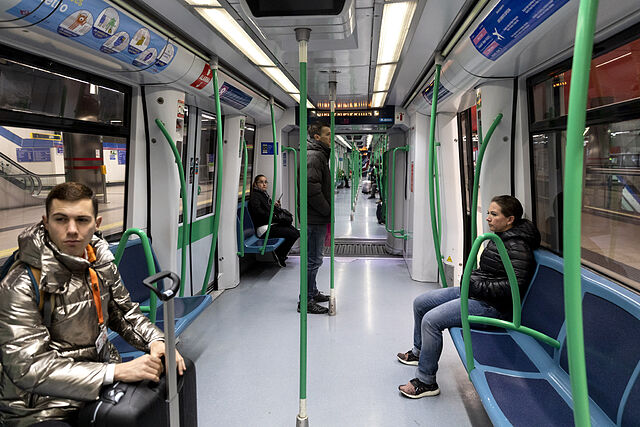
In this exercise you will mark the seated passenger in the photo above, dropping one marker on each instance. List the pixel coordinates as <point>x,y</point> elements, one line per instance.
<point>489,293</point>
<point>57,356</point>
<point>259,207</point>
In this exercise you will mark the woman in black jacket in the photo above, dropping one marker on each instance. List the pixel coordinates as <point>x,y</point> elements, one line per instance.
<point>489,293</point>
<point>259,207</point>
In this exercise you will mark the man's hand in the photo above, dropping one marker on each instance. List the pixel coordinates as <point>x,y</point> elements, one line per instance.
<point>147,367</point>
<point>156,349</point>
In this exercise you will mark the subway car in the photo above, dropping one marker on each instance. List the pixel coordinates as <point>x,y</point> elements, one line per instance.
<point>179,113</point>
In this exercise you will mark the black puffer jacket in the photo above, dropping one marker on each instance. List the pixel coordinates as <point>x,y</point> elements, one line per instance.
<point>259,207</point>
<point>490,282</point>
<point>318,183</point>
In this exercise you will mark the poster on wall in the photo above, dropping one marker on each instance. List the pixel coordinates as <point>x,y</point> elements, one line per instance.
<point>122,157</point>
<point>100,27</point>
<point>33,154</point>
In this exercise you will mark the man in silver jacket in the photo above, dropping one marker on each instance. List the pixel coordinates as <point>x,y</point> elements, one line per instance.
<point>48,372</point>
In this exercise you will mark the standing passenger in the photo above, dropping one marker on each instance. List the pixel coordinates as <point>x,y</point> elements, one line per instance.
<point>318,209</point>
<point>489,293</point>
<point>56,357</point>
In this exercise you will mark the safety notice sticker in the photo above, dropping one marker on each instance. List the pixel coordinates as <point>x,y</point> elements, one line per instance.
<point>509,22</point>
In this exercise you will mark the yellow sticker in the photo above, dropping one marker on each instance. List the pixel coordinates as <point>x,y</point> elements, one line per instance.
<point>449,259</point>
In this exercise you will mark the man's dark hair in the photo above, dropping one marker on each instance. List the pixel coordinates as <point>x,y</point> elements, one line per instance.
<point>71,192</point>
<point>510,206</point>
<point>315,128</point>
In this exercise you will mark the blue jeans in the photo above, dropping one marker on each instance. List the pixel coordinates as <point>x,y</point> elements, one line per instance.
<point>433,312</point>
<point>315,245</point>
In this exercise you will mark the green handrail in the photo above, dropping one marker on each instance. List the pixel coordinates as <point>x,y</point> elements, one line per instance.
<point>573,207</point>
<point>275,179</point>
<point>295,180</point>
<point>392,202</point>
<point>484,143</point>
<point>436,175</point>
<point>431,177</point>
<point>332,167</point>
<point>244,195</point>
<point>219,163</point>
<point>515,324</point>
<point>151,266</point>
<point>302,36</point>
<point>183,196</point>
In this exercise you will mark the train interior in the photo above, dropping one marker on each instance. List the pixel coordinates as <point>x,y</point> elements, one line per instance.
<point>121,96</point>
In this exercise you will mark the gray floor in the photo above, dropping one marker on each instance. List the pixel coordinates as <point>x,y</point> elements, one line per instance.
<point>364,224</point>
<point>246,348</point>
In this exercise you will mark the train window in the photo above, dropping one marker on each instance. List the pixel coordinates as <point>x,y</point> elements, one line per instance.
<point>28,88</point>
<point>249,136</point>
<point>33,161</point>
<point>206,164</point>
<point>611,182</point>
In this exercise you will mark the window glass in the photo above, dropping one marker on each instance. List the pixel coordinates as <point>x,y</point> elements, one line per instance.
<point>33,161</point>
<point>249,136</point>
<point>206,164</point>
<point>26,88</point>
<point>613,78</point>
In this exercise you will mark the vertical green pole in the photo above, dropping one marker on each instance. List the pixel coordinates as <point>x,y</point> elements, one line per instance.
<point>302,37</point>
<point>183,196</point>
<point>476,177</point>
<point>275,178</point>
<point>332,292</point>
<point>431,177</point>
<point>573,207</point>
<point>219,163</point>
<point>295,180</point>
<point>244,195</point>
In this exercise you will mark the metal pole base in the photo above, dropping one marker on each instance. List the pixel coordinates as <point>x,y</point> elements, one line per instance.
<point>332,306</point>
<point>302,422</point>
<point>351,216</point>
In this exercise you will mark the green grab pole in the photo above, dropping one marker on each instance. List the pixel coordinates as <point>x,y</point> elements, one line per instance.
<point>464,295</point>
<point>302,37</point>
<point>332,167</point>
<point>490,321</point>
<point>151,267</point>
<point>572,223</point>
<point>393,231</point>
<point>245,153</point>
<point>431,177</point>
<point>476,176</point>
<point>295,179</point>
<point>436,179</point>
<point>183,196</point>
<point>275,179</point>
<point>219,163</point>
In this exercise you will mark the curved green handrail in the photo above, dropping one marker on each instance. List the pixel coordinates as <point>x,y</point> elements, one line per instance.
<point>219,163</point>
<point>295,180</point>
<point>432,178</point>
<point>573,207</point>
<point>484,143</point>
<point>244,194</point>
<point>151,266</point>
<point>183,196</point>
<point>275,179</point>
<point>392,230</point>
<point>515,324</point>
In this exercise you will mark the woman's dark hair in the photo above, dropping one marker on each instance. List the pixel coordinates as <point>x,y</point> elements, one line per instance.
<point>510,206</point>
<point>71,192</point>
<point>255,180</point>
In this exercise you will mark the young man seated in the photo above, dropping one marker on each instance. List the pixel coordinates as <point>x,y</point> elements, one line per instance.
<point>56,356</point>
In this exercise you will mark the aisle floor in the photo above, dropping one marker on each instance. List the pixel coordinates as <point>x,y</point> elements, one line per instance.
<point>246,348</point>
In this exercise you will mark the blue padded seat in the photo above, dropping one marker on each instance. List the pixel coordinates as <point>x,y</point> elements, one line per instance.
<point>133,269</point>
<point>252,244</point>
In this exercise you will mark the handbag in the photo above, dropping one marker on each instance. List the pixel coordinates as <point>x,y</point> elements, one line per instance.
<point>282,217</point>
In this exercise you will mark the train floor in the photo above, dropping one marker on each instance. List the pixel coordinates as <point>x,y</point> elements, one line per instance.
<point>246,348</point>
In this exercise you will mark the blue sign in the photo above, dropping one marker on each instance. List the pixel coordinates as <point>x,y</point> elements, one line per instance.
<point>122,157</point>
<point>33,154</point>
<point>233,96</point>
<point>97,25</point>
<point>266,148</point>
<point>443,93</point>
<point>509,22</point>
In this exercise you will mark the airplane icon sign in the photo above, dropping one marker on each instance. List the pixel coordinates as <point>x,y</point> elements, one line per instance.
<point>497,34</point>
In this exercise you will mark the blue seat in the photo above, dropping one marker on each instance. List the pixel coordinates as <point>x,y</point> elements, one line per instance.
<point>252,244</point>
<point>522,381</point>
<point>133,269</point>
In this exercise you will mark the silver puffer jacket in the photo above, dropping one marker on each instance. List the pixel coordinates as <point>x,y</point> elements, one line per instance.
<point>47,373</point>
